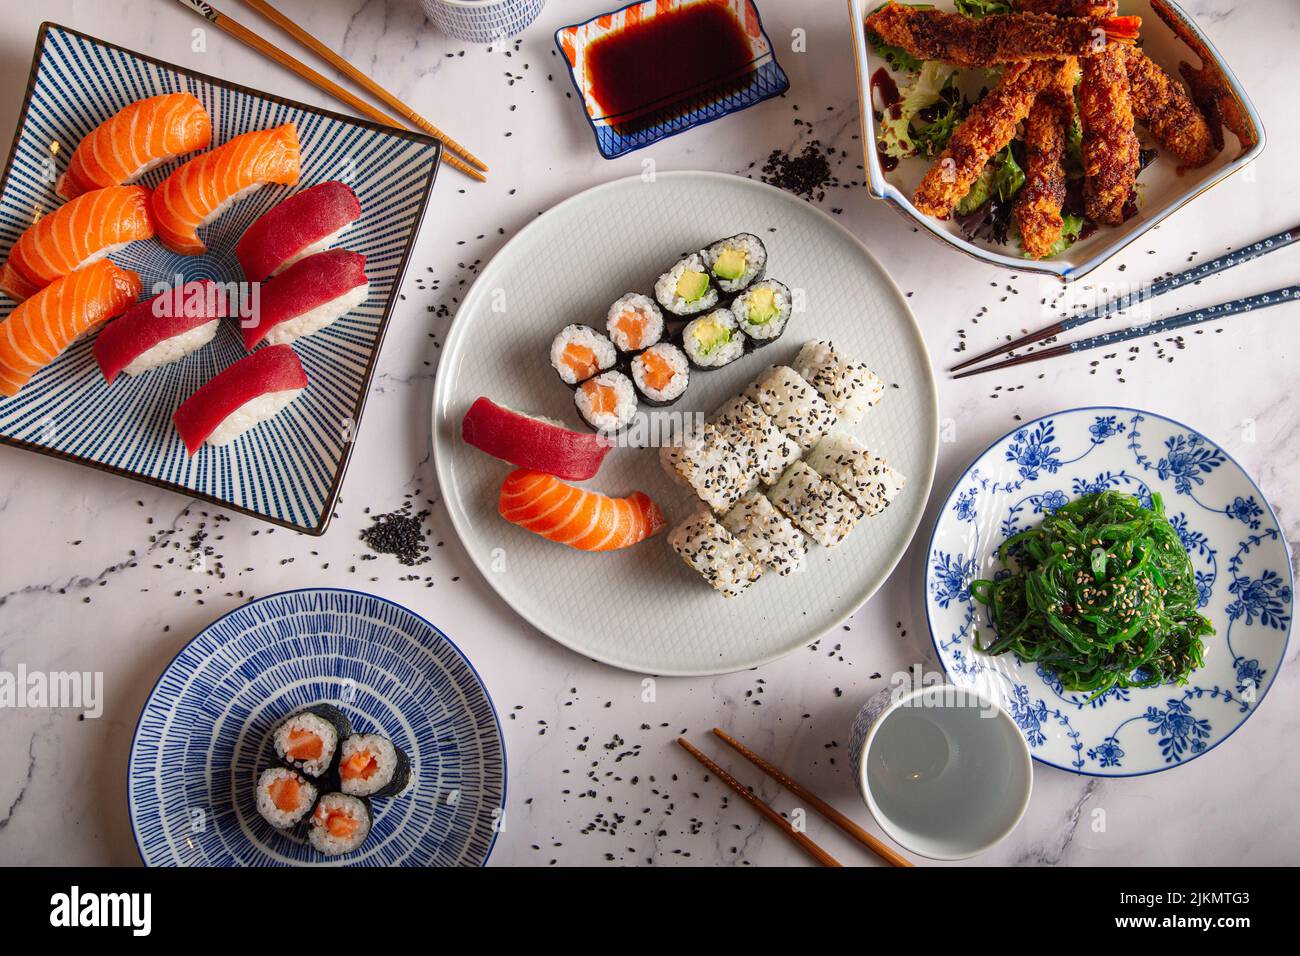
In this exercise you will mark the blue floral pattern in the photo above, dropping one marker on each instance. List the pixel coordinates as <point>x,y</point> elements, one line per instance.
<point>1249,597</point>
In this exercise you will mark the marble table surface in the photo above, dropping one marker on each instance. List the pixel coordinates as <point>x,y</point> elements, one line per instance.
<point>94,572</point>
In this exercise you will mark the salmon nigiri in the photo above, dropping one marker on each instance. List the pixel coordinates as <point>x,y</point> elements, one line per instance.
<point>199,191</point>
<point>582,519</point>
<point>38,331</point>
<point>134,140</point>
<point>76,234</point>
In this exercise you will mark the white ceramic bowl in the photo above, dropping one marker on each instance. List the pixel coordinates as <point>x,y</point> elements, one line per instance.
<point>944,770</point>
<point>482,21</point>
<point>1169,36</point>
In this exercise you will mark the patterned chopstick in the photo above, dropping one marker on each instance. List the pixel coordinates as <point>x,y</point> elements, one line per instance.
<point>1223,310</point>
<point>1159,287</point>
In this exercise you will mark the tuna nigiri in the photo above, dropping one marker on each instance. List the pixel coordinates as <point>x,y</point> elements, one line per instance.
<point>199,191</point>
<point>305,223</point>
<point>134,140</point>
<point>582,519</point>
<point>254,389</point>
<point>306,297</point>
<point>161,330</point>
<point>76,234</point>
<point>38,330</point>
<point>534,443</point>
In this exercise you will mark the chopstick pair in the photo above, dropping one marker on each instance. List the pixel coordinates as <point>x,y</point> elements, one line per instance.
<point>821,806</point>
<point>1157,288</point>
<point>470,164</point>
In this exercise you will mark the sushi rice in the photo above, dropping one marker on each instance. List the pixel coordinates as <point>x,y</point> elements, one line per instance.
<point>579,352</point>
<point>793,405</point>
<point>320,722</point>
<point>339,824</point>
<point>686,288</point>
<point>634,322</point>
<point>714,553</point>
<point>313,320</point>
<point>370,765</point>
<point>767,533</point>
<point>763,310</point>
<point>707,463</point>
<point>736,262</point>
<point>284,797</point>
<point>606,402</point>
<point>713,340</point>
<point>818,507</point>
<point>849,387</point>
<point>765,450</point>
<point>661,374</point>
<point>868,478</point>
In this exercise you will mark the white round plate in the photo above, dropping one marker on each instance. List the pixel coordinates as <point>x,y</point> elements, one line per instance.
<point>641,608</point>
<point>1231,534</point>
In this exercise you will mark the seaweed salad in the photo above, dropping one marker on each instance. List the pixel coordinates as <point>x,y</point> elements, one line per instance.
<point>1102,592</point>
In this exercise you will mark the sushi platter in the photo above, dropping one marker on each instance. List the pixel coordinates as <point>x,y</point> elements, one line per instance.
<point>325,207</point>
<point>642,607</point>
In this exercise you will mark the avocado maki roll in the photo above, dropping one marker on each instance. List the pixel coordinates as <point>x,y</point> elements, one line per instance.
<point>308,740</point>
<point>686,288</point>
<point>713,340</point>
<point>736,262</point>
<point>339,824</point>
<point>763,310</point>
<point>371,765</point>
<point>661,374</point>
<point>634,323</point>
<point>579,352</point>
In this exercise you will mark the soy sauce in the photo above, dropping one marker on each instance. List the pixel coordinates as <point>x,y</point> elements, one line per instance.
<point>653,68</point>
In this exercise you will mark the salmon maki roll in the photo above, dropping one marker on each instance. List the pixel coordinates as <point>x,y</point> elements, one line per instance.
<point>582,519</point>
<point>90,227</point>
<point>284,797</point>
<point>308,296</point>
<point>306,223</point>
<point>204,187</point>
<point>134,140</point>
<point>41,328</point>
<point>254,389</point>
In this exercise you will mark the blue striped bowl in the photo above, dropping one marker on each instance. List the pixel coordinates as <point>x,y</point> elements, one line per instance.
<point>482,21</point>
<point>203,736</point>
<point>289,469</point>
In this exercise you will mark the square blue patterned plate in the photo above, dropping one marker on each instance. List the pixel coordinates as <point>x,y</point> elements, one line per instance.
<point>289,469</point>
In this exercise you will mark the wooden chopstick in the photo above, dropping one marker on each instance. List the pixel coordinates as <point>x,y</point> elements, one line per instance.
<point>817,803</point>
<point>811,848</point>
<point>365,82</point>
<point>251,39</point>
<point>1147,291</point>
<point>1212,313</point>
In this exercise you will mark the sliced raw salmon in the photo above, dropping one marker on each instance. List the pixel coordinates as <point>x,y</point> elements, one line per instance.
<point>38,330</point>
<point>134,140</point>
<point>586,520</point>
<point>88,228</point>
<point>199,191</point>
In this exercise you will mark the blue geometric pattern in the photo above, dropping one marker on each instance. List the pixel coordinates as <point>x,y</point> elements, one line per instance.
<point>483,22</point>
<point>289,469</point>
<point>1238,555</point>
<point>203,735</point>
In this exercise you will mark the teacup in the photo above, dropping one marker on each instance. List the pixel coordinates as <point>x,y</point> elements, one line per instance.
<point>944,770</point>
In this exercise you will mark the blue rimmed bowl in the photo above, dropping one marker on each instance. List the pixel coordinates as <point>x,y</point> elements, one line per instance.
<point>1170,37</point>
<point>203,736</point>
<point>1238,554</point>
<point>288,470</point>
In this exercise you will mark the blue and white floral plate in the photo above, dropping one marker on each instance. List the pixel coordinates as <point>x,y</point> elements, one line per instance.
<point>288,470</point>
<point>1230,532</point>
<point>203,735</point>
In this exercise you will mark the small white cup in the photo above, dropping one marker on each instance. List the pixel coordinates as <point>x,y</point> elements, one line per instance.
<point>482,21</point>
<point>945,771</point>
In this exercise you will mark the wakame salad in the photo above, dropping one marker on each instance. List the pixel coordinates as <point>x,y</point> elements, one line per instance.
<point>934,97</point>
<point>1102,593</point>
